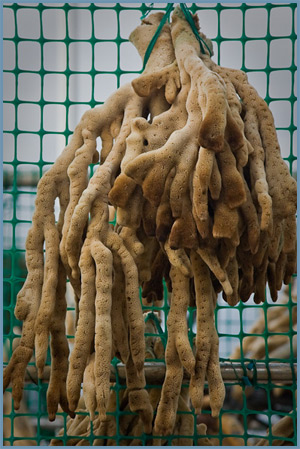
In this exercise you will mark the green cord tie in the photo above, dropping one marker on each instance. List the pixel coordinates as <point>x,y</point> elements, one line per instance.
<point>247,381</point>
<point>152,316</point>
<point>240,380</point>
<point>244,380</point>
<point>115,362</point>
<point>252,366</point>
<point>157,33</point>
<point>190,21</point>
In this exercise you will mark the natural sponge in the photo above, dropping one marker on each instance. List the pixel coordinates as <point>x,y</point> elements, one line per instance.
<point>190,162</point>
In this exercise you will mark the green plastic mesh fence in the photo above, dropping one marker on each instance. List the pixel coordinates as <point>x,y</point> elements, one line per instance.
<point>60,60</point>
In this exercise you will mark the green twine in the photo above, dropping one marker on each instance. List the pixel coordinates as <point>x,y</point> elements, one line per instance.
<point>152,316</point>
<point>190,21</point>
<point>157,33</point>
<point>252,366</point>
<point>194,29</point>
<point>241,381</point>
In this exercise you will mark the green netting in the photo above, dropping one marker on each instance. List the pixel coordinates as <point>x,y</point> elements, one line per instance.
<point>46,90</point>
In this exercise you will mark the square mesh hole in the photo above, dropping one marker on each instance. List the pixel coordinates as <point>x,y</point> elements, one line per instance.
<point>127,78</point>
<point>25,207</point>
<point>6,322</point>
<point>9,55</point>
<point>208,20</point>
<point>79,24</point>
<point>7,265</point>
<point>8,176</point>
<point>55,87</point>
<point>31,5</point>
<point>8,23</point>
<point>284,139</point>
<point>28,23</point>
<point>215,57</point>
<point>227,345</point>
<point>7,293</point>
<point>254,347</point>
<point>8,202</point>
<point>256,54</point>
<point>105,85</point>
<point>80,56</point>
<point>281,21</point>
<point>137,5</point>
<point>294,143</point>
<point>20,271</point>
<point>79,5</point>
<point>278,319</point>
<point>54,24</point>
<point>281,53</point>
<point>208,5</point>
<point>256,399</point>
<point>231,54</point>
<point>29,87</point>
<point>53,145</point>
<point>55,56</point>
<point>9,86</point>
<point>27,176</point>
<point>231,23</point>
<point>251,316</point>
<point>46,168</point>
<point>129,20</point>
<point>21,425</point>
<point>230,5</point>
<point>75,113</point>
<point>21,231</point>
<point>8,147</point>
<point>8,117</point>
<point>29,56</point>
<point>54,5</point>
<point>28,147</point>
<point>159,6</point>
<point>70,324</point>
<point>54,117</point>
<point>234,394</point>
<point>279,347</point>
<point>228,321</point>
<point>129,58</point>
<point>7,235</point>
<point>280,84</point>
<point>29,117</point>
<point>80,88</point>
<point>105,24</point>
<point>18,285</point>
<point>106,57</point>
<point>231,424</point>
<point>281,111</point>
<point>259,81</point>
<point>256,22</point>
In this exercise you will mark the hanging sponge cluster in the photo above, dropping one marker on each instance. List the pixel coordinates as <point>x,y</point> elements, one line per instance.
<point>190,160</point>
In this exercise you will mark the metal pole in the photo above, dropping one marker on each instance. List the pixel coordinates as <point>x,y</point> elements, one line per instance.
<point>232,372</point>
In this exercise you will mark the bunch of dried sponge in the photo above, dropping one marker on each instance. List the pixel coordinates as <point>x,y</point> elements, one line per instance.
<point>191,162</point>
